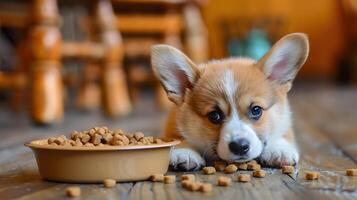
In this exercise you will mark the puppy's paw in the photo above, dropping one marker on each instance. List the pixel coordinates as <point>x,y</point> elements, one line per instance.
<point>186,160</point>
<point>279,155</point>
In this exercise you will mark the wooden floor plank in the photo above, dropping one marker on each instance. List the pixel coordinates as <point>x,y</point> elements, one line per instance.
<point>324,130</point>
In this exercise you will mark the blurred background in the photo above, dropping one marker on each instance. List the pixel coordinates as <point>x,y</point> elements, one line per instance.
<point>77,64</point>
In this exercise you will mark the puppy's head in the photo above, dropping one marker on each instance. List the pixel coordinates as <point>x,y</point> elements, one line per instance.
<point>229,107</point>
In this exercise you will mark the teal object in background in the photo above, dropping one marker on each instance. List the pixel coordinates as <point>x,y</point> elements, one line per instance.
<point>257,44</point>
<point>236,47</point>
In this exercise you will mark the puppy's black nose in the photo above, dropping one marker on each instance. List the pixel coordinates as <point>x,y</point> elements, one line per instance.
<point>239,147</point>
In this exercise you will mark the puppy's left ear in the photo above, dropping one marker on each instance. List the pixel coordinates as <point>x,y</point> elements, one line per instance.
<point>285,58</point>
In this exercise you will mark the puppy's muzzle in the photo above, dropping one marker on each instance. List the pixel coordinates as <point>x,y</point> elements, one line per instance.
<point>239,147</point>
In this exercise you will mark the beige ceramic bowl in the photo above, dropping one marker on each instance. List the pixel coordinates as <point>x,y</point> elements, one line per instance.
<point>94,164</point>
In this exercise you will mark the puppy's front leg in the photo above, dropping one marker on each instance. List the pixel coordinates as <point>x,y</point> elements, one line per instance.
<point>185,158</point>
<point>280,151</point>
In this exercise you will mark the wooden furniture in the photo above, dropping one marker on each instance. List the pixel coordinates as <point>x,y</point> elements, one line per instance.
<point>144,23</point>
<point>46,48</point>
<point>326,134</point>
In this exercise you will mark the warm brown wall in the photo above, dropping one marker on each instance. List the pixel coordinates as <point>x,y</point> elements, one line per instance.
<point>320,19</point>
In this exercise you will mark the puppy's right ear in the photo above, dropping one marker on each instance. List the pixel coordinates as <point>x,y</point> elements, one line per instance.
<point>175,70</point>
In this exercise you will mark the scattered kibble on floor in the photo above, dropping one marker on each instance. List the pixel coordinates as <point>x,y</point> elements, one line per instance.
<point>243,178</point>
<point>73,191</point>
<point>310,175</point>
<point>220,166</point>
<point>209,170</point>
<point>259,173</point>
<point>206,187</point>
<point>351,172</point>
<point>169,179</point>
<point>224,181</point>
<point>287,169</point>
<point>109,183</point>
<point>157,178</point>
<point>190,177</point>
<point>230,169</point>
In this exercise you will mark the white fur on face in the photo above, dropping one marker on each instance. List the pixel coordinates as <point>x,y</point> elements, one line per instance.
<point>234,128</point>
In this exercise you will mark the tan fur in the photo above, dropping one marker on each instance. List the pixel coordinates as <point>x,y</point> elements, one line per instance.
<point>207,86</point>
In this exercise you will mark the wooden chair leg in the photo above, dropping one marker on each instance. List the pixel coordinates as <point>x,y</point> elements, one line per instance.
<point>196,34</point>
<point>114,87</point>
<point>89,92</point>
<point>46,90</point>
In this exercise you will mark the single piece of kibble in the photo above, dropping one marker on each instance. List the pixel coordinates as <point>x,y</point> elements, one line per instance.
<point>351,172</point>
<point>224,181</point>
<point>108,183</point>
<point>189,177</point>
<point>220,166</point>
<point>287,169</point>
<point>252,162</point>
<point>169,179</point>
<point>243,178</point>
<point>253,166</point>
<point>206,187</point>
<point>138,135</point>
<point>242,166</point>
<point>157,177</point>
<point>230,169</point>
<point>209,170</point>
<point>310,175</point>
<point>259,173</point>
<point>185,183</point>
<point>73,191</point>
<point>194,186</point>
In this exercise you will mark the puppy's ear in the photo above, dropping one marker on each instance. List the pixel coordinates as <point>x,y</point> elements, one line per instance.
<point>176,71</point>
<point>285,58</point>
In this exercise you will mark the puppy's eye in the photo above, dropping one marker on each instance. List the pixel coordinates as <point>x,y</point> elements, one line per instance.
<point>255,112</point>
<point>216,116</point>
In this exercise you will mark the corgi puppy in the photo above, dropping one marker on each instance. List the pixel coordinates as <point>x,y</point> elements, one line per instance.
<point>233,109</point>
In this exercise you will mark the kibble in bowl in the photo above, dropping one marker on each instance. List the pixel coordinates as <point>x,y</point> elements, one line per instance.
<point>99,153</point>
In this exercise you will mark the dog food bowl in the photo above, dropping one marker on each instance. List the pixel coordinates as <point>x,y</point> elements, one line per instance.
<point>94,164</point>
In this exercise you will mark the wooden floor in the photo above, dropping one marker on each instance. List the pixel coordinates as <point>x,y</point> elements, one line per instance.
<point>325,122</point>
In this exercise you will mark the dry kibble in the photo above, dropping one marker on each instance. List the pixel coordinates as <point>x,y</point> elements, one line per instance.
<point>157,177</point>
<point>73,191</point>
<point>169,179</point>
<point>230,169</point>
<point>310,175</point>
<point>351,172</point>
<point>89,145</point>
<point>158,141</point>
<point>51,140</point>
<point>78,142</point>
<point>287,169</point>
<point>108,183</point>
<point>242,166</point>
<point>85,138</point>
<point>224,181</point>
<point>102,136</point>
<point>209,170</point>
<point>259,173</point>
<point>253,166</point>
<point>185,183</point>
<point>96,139</point>
<point>193,186</point>
<point>189,177</point>
<point>206,187</point>
<point>220,166</point>
<point>107,138</point>
<point>59,140</point>
<point>138,135</point>
<point>243,178</point>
